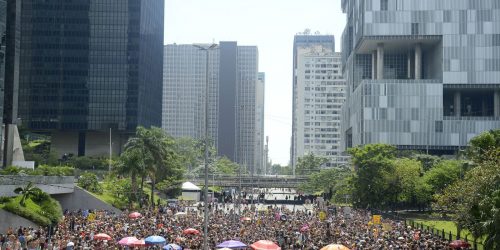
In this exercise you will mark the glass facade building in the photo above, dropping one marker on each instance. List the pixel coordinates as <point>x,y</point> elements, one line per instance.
<point>421,75</point>
<point>235,115</point>
<point>89,68</point>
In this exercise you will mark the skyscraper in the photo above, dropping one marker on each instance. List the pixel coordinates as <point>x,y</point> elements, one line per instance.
<point>89,69</point>
<point>233,72</point>
<point>259,123</point>
<point>421,75</point>
<point>303,40</point>
<point>320,93</point>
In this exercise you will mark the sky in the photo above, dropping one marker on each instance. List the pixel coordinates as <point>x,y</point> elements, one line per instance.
<point>268,24</point>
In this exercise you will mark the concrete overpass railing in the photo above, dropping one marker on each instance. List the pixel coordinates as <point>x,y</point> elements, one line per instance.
<point>48,184</point>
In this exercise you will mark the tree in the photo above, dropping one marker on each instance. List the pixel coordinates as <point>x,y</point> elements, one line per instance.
<point>330,181</point>
<point>428,161</point>
<point>473,198</point>
<point>28,191</point>
<point>443,174</point>
<point>488,141</point>
<point>407,173</point>
<point>88,181</point>
<point>224,165</point>
<point>132,163</point>
<point>372,165</point>
<point>309,164</point>
<point>158,152</point>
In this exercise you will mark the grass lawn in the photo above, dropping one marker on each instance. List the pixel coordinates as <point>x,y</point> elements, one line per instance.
<point>107,197</point>
<point>41,213</point>
<point>449,226</point>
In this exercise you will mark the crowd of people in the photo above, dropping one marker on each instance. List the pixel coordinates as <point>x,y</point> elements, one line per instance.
<point>290,229</point>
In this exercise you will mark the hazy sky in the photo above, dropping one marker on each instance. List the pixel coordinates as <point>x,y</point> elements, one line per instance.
<point>268,24</point>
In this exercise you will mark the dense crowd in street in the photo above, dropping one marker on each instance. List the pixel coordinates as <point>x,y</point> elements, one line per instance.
<point>303,229</point>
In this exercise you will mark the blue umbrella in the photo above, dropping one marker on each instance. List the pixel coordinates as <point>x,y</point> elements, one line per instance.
<point>172,247</point>
<point>155,239</point>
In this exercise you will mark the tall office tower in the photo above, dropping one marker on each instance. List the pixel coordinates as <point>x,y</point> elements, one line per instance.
<point>233,72</point>
<point>3,45</point>
<point>421,75</point>
<point>303,40</point>
<point>259,123</point>
<point>90,70</point>
<point>320,95</point>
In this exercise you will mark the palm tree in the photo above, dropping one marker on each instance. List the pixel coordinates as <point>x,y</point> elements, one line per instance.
<point>26,192</point>
<point>157,152</point>
<point>132,163</point>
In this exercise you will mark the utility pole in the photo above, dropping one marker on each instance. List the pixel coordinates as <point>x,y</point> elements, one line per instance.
<point>205,189</point>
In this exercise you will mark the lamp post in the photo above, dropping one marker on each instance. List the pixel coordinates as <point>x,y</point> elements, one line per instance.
<point>205,188</point>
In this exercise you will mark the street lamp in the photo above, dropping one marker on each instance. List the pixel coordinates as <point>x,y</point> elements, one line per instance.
<point>205,189</point>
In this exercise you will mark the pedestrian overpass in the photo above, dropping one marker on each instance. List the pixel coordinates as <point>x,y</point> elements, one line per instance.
<point>256,181</point>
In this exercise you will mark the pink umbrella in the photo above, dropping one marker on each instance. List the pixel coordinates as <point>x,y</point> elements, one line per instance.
<point>134,215</point>
<point>102,236</point>
<point>304,228</point>
<point>127,241</point>
<point>138,243</point>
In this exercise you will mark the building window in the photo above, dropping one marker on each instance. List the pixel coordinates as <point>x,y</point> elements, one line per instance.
<point>439,126</point>
<point>384,4</point>
<point>414,29</point>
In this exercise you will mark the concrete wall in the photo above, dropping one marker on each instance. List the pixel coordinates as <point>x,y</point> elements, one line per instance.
<point>48,184</point>
<point>8,219</point>
<point>64,143</point>
<point>81,199</point>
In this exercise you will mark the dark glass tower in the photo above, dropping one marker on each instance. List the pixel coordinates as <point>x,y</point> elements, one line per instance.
<point>89,67</point>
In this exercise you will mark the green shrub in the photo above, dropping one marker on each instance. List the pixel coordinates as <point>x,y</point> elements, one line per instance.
<point>52,210</point>
<point>53,171</point>
<point>89,163</point>
<point>89,182</point>
<point>44,170</point>
<point>42,215</point>
<point>4,199</point>
<point>10,171</point>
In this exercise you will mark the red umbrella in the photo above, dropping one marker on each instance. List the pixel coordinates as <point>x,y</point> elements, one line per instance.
<point>459,244</point>
<point>191,231</point>
<point>102,236</point>
<point>265,245</point>
<point>134,215</point>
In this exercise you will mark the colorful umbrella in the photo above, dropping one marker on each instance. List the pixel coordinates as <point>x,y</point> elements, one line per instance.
<point>155,239</point>
<point>232,244</point>
<point>134,215</point>
<point>138,243</point>
<point>459,244</point>
<point>335,247</point>
<point>127,241</point>
<point>172,247</point>
<point>265,245</point>
<point>246,219</point>
<point>102,236</point>
<point>191,231</point>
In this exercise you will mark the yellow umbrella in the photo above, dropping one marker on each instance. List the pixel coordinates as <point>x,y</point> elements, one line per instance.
<point>335,247</point>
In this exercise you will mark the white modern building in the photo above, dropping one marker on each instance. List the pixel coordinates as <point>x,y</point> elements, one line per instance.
<point>260,161</point>
<point>421,75</point>
<point>235,96</point>
<point>319,92</point>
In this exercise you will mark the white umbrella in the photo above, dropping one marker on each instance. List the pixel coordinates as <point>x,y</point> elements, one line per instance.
<point>181,214</point>
<point>70,244</point>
